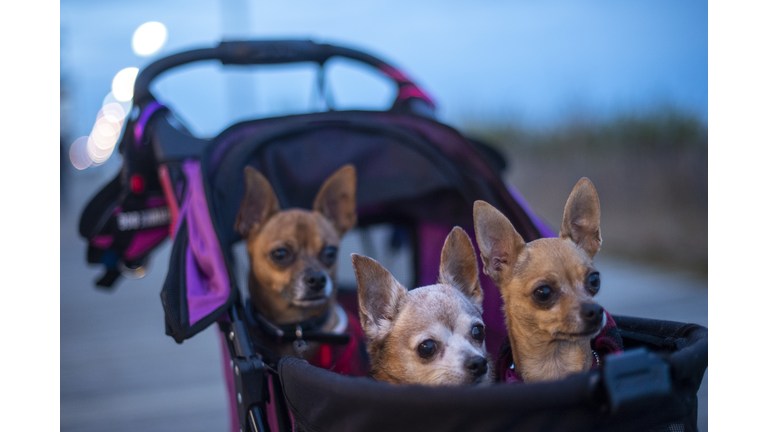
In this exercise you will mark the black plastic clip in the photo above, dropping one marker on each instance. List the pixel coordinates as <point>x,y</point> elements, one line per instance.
<point>634,376</point>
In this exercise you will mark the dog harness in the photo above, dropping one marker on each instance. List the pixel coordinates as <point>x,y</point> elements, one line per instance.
<point>608,341</point>
<point>342,349</point>
<point>306,330</point>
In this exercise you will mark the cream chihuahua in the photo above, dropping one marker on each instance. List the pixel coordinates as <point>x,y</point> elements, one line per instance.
<point>429,335</point>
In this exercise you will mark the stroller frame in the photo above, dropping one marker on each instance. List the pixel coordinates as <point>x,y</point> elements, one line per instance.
<point>652,384</point>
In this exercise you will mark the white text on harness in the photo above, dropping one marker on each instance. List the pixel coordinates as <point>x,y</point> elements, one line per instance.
<point>143,219</point>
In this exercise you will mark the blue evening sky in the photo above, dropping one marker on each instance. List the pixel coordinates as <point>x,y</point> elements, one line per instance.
<point>520,61</point>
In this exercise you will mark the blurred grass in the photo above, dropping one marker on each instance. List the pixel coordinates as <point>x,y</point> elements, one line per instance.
<point>649,169</point>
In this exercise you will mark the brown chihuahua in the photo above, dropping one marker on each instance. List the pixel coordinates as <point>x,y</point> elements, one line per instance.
<point>429,335</point>
<point>547,286</point>
<point>292,280</point>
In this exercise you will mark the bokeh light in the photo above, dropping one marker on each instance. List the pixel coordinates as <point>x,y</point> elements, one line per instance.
<point>122,84</point>
<point>113,109</point>
<point>125,105</point>
<point>78,154</point>
<point>105,134</point>
<point>97,154</point>
<point>95,149</point>
<point>149,38</point>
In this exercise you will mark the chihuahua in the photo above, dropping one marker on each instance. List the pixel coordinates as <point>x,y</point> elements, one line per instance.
<point>292,254</point>
<point>548,287</point>
<point>430,335</point>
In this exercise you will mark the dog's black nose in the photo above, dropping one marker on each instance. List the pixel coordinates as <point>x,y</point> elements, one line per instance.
<point>592,313</point>
<point>477,365</point>
<point>315,280</point>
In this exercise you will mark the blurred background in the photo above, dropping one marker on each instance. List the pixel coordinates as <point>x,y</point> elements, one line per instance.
<point>616,92</point>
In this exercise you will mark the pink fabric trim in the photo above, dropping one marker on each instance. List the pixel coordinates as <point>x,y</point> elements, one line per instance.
<point>410,90</point>
<point>234,424</point>
<point>511,377</point>
<point>393,73</point>
<point>270,408</point>
<point>155,202</point>
<point>144,241</point>
<point>102,242</point>
<point>407,87</point>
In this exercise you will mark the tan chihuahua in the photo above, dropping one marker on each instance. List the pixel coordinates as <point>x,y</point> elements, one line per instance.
<point>430,335</point>
<point>548,287</point>
<point>292,253</point>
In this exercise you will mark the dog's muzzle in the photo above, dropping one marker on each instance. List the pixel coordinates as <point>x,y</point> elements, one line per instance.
<point>315,281</point>
<point>316,288</point>
<point>593,316</point>
<point>477,366</point>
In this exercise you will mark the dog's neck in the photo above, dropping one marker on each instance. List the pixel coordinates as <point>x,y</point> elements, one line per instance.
<point>286,348</point>
<point>539,358</point>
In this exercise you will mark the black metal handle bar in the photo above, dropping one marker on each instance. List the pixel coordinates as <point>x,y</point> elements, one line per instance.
<point>258,52</point>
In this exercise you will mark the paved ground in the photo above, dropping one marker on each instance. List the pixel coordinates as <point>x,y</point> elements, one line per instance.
<point>120,372</point>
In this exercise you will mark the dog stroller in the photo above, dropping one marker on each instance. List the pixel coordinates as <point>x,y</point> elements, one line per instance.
<point>417,178</point>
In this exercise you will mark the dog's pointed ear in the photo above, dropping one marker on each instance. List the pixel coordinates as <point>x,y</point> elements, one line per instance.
<point>458,266</point>
<point>379,296</point>
<point>581,219</point>
<point>259,203</point>
<point>500,245</point>
<point>336,199</point>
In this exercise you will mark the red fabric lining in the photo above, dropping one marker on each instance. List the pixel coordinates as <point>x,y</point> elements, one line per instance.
<point>344,359</point>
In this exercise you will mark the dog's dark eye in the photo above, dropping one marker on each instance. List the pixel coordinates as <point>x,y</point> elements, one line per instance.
<point>427,349</point>
<point>594,282</point>
<point>280,255</point>
<point>478,332</point>
<point>542,293</point>
<point>328,255</point>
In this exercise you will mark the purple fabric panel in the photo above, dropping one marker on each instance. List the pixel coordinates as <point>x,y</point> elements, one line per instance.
<point>207,279</point>
<point>138,129</point>
<point>543,228</point>
<point>493,305</point>
<point>234,423</point>
<point>145,240</point>
<point>158,201</point>
<point>431,240</point>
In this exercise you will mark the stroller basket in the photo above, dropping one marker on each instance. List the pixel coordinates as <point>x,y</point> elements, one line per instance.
<point>599,400</point>
<point>416,179</point>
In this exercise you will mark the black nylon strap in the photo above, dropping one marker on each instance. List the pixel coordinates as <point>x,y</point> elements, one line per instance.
<point>288,332</point>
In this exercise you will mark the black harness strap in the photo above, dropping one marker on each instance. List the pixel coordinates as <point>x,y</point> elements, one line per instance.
<point>306,330</point>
